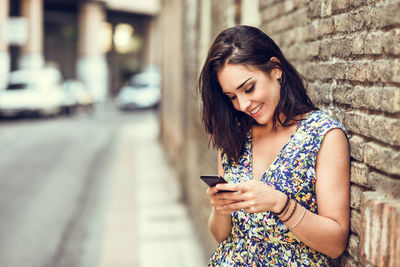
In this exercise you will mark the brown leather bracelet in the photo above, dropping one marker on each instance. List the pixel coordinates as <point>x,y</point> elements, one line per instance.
<point>291,214</point>
<point>284,207</point>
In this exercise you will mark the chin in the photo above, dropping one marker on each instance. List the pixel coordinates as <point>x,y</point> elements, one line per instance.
<point>259,123</point>
<point>263,121</point>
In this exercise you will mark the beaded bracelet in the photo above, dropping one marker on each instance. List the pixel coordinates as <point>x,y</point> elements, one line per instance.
<point>299,220</point>
<point>285,206</point>
<point>291,214</point>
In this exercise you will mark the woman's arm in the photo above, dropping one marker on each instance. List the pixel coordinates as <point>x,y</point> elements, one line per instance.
<point>220,224</point>
<point>326,231</point>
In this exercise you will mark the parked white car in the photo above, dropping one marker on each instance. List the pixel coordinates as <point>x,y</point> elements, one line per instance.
<point>77,96</point>
<point>142,91</point>
<point>32,91</point>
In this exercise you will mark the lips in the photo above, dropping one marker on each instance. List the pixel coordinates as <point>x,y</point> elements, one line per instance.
<point>255,110</point>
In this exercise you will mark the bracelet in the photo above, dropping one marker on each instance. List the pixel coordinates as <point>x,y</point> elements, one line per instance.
<point>291,214</point>
<point>301,218</point>
<point>284,207</point>
<point>286,211</point>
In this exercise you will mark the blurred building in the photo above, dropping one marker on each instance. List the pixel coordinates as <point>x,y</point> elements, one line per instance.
<point>101,43</point>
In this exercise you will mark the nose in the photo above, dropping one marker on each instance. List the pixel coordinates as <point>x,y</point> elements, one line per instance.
<point>243,103</point>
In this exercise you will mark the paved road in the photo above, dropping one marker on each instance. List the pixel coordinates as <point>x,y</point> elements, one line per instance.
<point>60,185</point>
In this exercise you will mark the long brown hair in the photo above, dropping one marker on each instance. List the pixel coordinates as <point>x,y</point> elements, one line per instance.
<point>247,46</point>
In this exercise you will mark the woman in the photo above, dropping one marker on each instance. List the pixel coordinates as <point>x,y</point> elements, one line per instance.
<point>286,162</point>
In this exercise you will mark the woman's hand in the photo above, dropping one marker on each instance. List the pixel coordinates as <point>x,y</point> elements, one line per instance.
<point>219,203</point>
<point>252,196</point>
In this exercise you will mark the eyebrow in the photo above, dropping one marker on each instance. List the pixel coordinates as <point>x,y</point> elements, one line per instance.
<point>243,83</point>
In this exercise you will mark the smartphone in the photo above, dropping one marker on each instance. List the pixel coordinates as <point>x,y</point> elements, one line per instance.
<point>213,180</point>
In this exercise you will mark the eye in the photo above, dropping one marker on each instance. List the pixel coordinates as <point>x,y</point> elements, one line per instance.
<point>232,97</point>
<point>250,89</point>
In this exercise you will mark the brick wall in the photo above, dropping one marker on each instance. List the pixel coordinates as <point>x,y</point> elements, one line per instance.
<point>349,51</point>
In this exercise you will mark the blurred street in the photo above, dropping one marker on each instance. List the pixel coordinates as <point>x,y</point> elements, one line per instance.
<point>91,190</point>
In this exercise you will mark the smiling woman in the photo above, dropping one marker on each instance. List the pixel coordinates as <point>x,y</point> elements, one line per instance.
<point>286,161</point>
<point>258,94</point>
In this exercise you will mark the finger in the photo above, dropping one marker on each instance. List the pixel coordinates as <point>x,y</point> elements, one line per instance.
<point>228,187</point>
<point>238,206</point>
<point>240,187</point>
<point>234,196</point>
<point>221,202</point>
<point>211,191</point>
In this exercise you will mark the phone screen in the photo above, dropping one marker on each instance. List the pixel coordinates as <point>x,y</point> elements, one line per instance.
<point>213,180</point>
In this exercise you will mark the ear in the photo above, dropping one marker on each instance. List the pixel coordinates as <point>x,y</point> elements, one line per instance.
<point>277,72</point>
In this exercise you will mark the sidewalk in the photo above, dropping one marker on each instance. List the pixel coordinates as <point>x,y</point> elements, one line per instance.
<point>146,224</point>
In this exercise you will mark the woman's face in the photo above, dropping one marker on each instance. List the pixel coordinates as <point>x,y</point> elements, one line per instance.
<point>251,90</point>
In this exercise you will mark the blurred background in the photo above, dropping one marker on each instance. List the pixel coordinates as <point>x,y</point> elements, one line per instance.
<point>101,138</point>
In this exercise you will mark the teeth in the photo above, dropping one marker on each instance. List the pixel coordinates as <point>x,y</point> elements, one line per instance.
<point>254,111</point>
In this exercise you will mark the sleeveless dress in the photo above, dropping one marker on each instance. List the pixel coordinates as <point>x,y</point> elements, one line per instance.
<point>261,239</point>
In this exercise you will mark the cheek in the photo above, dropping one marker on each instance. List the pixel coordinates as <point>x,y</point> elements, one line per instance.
<point>273,95</point>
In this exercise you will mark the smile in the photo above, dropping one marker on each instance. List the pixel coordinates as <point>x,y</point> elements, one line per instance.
<point>254,111</point>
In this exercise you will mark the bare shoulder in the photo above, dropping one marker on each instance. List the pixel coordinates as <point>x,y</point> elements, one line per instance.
<point>334,140</point>
<point>333,172</point>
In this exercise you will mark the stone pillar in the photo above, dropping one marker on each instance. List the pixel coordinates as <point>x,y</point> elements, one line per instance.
<point>4,54</point>
<point>92,64</point>
<point>153,52</point>
<point>250,13</point>
<point>380,231</point>
<point>32,52</point>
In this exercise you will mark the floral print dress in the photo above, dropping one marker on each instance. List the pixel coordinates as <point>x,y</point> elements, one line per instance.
<point>261,239</point>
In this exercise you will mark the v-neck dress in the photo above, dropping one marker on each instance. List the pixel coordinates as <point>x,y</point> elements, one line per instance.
<point>261,239</point>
